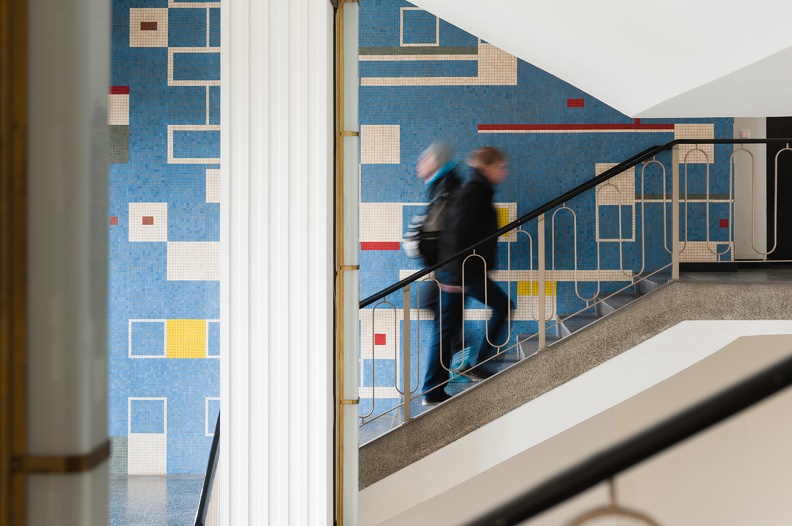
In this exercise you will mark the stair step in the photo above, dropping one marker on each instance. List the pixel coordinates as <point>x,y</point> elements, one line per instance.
<point>651,283</point>
<point>610,303</point>
<point>575,323</point>
<point>529,343</point>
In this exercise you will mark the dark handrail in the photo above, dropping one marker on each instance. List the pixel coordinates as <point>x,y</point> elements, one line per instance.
<point>211,470</point>
<point>641,446</point>
<point>591,183</point>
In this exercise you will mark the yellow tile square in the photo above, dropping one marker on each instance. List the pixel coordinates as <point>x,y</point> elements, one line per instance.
<point>185,339</point>
<point>526,288</point>
<point>531,288</point>
<point>503,216</point>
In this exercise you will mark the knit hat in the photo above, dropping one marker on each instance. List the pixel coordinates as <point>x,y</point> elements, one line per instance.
<point>442,151</point>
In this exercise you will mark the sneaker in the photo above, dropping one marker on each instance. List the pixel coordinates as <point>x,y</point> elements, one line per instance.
<point>478,374</point>
<point>435,397</point>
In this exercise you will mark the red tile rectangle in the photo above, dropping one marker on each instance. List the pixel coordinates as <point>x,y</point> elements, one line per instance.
<point>379,339</point>
<point>148,26</point>
<point>148,220</point>
<point>113,220</point>
<point>724,223</point>
<point>575,103</point>
<point>574,127</point>
<point>380,245</point>
<point>119,90</point>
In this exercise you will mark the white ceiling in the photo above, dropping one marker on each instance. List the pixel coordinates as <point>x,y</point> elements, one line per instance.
<point>648,58</point>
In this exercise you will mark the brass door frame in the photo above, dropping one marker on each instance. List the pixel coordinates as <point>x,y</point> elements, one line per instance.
<point>13,261</point>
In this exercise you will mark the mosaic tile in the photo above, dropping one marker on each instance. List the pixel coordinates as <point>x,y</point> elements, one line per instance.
<point>164,230</point>
<point>416,72</point>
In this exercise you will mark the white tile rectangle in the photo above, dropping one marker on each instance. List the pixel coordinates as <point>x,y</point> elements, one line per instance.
<point>194,261</point>
<point>147,454</point>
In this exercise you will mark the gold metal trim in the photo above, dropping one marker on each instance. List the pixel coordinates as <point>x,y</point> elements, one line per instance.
<point>340,262</point>
<point>62,463</point>
<point>13,258</point>
<point>339,511</point>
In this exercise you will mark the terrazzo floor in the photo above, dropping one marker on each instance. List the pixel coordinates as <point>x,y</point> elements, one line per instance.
<point>139,500</point>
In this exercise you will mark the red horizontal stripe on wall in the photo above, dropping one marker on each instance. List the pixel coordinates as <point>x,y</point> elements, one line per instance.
<point>380,245</point>
<point>572,127</point>
<point>119,90</point>
<point>575,103</point>
<point>148,26</point>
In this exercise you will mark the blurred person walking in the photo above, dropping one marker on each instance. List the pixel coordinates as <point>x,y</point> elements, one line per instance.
<point>474,218</point>
<point>424,239</point>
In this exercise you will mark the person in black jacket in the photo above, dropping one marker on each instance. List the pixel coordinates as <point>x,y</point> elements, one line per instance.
<point>471,219</point>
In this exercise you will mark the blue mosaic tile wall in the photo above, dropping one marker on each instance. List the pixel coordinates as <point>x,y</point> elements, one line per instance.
<point>164,227</point>
<point>424,79</point>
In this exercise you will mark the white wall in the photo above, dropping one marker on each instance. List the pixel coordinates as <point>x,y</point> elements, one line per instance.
<point>566,425</point>
<point>750,194</point>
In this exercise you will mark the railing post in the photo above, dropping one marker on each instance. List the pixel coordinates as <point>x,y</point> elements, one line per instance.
<point>540,265</point>
<point>675,252</point>
<point>406,354</point>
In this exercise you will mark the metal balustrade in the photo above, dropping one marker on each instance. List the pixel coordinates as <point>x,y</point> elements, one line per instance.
<point>588,266</point>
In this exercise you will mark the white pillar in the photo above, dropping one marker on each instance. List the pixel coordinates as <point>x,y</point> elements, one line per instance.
<point>277,279</point>
<point>351,249</point>
<point>69,75</point>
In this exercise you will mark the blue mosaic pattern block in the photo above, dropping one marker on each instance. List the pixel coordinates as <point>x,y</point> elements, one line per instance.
<point>423,79</point>
<point>147,416</point>
<point>165,231</point>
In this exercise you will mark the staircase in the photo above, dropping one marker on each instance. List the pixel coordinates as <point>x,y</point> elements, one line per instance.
<point>624,321</point>
<point>653,311</point>
<point>528,346</point>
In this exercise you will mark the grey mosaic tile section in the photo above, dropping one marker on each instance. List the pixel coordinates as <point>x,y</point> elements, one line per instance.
<point>119,453</point>
<point>119,144</point>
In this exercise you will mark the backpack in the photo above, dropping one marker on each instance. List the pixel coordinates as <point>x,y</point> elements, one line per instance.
<point>422,238</point>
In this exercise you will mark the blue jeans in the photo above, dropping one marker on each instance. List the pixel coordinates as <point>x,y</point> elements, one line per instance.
<point>449,324</point>
<point>476,284</point>
<point>447,328</point>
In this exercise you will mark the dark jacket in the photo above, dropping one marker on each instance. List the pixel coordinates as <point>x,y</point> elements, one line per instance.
<point>446,185</point>
<point>472,217</point>
<point>440,194</point>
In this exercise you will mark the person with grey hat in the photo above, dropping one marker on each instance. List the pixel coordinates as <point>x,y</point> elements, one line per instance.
<point>437,168</point>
